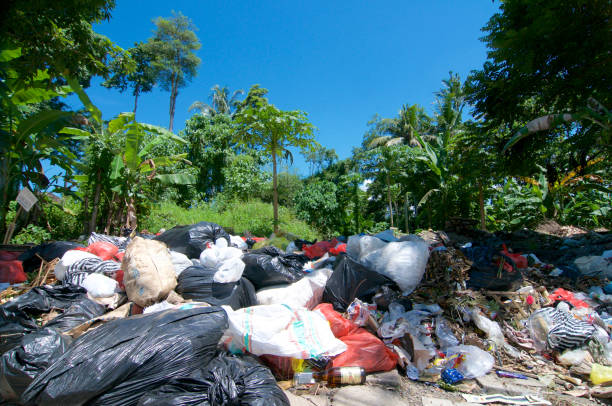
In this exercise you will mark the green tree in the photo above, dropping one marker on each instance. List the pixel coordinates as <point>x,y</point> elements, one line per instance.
<point>265,127</point>
<point>173,45</point>
<point>57,35</point>
<point>317,204</point>
<point>134,71</point>
<point>244,178</point>
<point>321,158</point>
<point>221,101</point>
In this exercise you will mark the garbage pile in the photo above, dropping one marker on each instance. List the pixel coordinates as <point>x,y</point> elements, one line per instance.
<point>196,316</point>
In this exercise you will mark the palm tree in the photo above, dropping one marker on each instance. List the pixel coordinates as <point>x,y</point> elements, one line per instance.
<point>221,102</point>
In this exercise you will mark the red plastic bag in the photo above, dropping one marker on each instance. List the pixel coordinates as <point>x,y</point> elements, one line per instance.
<point>338,249</point>
<point>12,272</point>
<point>367,351</point>
<point>519,260</point>
<point>104,250</point>
<point>561,294</point>
<point>119,256</point>
<point>319,249</point>
<point>339,325</point>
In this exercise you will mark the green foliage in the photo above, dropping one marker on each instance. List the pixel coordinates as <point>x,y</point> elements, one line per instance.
<point>252,216</point>
<point>175,62</point>
<point>317,204</point>
<point>288,186</point>
<point>244,178</point>
<point>515,206</point>
<point>263,126</point>
<point>57,35</point>
<point>31,234</point>
<point>134,70</point>
<point>222,102</point>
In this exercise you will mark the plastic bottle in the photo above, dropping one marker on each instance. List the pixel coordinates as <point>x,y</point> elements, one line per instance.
<point>334,376</point>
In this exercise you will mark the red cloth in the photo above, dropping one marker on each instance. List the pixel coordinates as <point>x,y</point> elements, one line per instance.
<point>317,250</point>
<point>561,294</point>
<point>12,272</point>
<point>364,349</point>
<point>9,255</point>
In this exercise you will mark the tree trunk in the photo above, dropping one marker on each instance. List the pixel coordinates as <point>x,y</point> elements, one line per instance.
<point>130,219</point>
<point>85,211</point>
<point>357,208</point>
<point>406,212</point>
<point>173,94</point>
<point>94,212</point>
<point>274,191</point>
<point>111,213</point>
<point>483,225</point>
<point>136,93</point>
<point>389,197</point>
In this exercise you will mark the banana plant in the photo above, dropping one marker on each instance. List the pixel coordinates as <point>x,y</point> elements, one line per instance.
<point>132,166</point>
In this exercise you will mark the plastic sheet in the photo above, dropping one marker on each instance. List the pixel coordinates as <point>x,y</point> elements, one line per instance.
<point>192,239</point>
<point>227,380</point>
<point>44,298</point>
<point>119,361</point>
<point>352,280</point>
<point>403,262</point>
<point>48,252</point>
<point>270,266</point>
<point>197,283</point>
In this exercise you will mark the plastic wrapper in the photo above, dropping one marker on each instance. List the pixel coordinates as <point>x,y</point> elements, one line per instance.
<point>197,283</point>
<point>226,380</point>
<point>191,240</point>
<point>359,312</point>
<point>491,328</point>
<point>444,334</point>
<point>270,266</point>
<point>352,280</point>
<point>307,292</point>
<point>122,359</point>
<point>472,362</point>
<point>274,330</point>
<point>48,252</point>
<point>557,329</point>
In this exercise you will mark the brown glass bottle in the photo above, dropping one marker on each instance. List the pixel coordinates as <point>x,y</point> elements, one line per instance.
<point>342,376</point>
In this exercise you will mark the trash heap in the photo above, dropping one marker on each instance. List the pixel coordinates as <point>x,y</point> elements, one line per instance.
<point>196,316</point>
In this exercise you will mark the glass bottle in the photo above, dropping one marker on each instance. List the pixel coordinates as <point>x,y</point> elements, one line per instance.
<point>342,376</point>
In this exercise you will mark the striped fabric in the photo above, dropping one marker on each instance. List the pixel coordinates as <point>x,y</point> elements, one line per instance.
<point>120,242</point>
<point>566,331</point>
<point>77,272</point>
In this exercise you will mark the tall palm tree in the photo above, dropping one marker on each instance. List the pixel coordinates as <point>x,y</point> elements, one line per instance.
<point>221,102</point>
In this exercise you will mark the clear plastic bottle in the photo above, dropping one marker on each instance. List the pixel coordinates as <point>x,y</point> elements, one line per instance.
<point>338,376</point>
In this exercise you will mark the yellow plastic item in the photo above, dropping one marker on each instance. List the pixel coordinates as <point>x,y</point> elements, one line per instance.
<point>600,374</point>
<point>297,365</point>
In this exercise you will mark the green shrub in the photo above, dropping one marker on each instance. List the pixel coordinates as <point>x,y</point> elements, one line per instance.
<point>252,216</point>
<point>31,235</point>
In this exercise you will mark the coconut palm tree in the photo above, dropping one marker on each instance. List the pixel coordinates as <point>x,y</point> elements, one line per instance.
<point>221,102</point>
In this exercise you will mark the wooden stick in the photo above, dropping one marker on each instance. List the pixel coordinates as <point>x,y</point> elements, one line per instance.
<point>11,229</point>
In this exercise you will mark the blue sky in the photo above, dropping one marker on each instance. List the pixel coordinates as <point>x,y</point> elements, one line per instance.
<point>341,62</point>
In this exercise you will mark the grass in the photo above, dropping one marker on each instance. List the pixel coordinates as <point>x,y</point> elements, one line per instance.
<point>253,216</point>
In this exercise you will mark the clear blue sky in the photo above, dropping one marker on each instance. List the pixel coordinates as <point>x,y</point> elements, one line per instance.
<point>340,61</point>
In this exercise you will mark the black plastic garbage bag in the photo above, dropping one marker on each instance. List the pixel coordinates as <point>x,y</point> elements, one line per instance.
<point>351,280</point>
<point>43,299</point>
<point>227,380</point>
<point>13,326</point>
<point>196,283</point>
<point>485,274</point>
<point>77,314</point>
<point>191,240</point>
<point>20,365</point>
<point>119,361</point>
<point>270,266</point>
<point>48,252</point>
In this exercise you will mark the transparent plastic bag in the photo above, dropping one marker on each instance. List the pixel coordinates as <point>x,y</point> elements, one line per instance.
<point>445,335</point>
<point>403,262</point>
<point>473,363</point>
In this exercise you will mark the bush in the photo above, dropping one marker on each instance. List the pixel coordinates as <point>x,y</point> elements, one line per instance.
<point>252,216</point>
<point>317,204</point>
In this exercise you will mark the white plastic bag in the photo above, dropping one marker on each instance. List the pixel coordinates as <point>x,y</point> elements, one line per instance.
<point>238,242</point>
<point>358,246</point>
<point>307,292</point>
<point>99,285</point>
<point>489,327</point>
<point>475,363</point>
<point>403,262</point>
<point>69,258</point>
<point>229,271</point>
<point>214,256</point>
<point>282,331</point>
<point>180,262</point>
